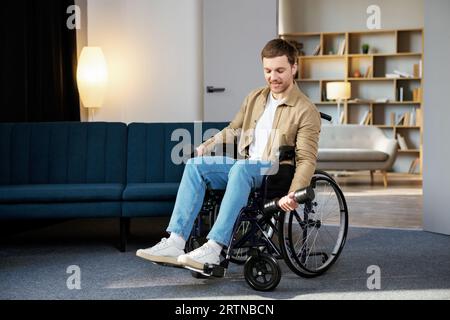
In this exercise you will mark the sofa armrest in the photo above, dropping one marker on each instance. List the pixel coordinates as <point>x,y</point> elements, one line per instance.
<point>388,146</point>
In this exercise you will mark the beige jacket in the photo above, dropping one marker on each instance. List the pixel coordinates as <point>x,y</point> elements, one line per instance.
<point>296,123</point>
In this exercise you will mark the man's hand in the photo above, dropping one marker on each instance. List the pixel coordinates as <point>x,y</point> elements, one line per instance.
<point>200,150</point>
<point>288,203</point>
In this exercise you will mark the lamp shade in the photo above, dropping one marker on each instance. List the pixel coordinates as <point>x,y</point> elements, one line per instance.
<point>92,77</point>
<point>338,90</point>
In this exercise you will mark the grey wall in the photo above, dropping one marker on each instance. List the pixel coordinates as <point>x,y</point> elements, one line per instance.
<point>436,158</point>
<point>347,15</point>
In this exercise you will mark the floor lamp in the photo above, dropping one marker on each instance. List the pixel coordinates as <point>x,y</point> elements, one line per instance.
<point>92,78</point>
<point>338,91</point>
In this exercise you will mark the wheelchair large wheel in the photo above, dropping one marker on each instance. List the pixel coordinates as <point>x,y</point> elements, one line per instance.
<point>262,272</point>
<point>312,237</point>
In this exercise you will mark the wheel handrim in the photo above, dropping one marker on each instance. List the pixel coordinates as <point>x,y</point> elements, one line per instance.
<point>316,236</point>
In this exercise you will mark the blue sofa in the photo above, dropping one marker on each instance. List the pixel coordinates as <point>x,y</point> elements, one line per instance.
<point>77,170</point>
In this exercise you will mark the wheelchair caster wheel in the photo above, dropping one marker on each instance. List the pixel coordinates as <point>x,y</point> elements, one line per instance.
<point>262,272</point>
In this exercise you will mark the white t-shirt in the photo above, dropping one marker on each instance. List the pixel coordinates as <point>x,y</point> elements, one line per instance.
<point>263,128</point>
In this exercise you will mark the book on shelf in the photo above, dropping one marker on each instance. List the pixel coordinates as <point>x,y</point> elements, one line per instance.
<point>402,142</point>
<point>369,72</point>
<point>392,118</point>
<point>417,94</point>
<point>365,120</point>
<point>414,165</point>
<point>416,70</point>
<point>392,76</point>
<point>419,117</point>
<point>400,94</point>
<point>403,74</point>
<point>401,120</point>
<point>341,50</point>
<point>358,100</point>
<point>316,50</point>
<point>368,118</point>
<point>407,119</point>
<point>341,118</point>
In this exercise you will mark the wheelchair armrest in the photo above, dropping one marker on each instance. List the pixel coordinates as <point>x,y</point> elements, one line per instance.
<point>278,184</point>
<point>286,153</point>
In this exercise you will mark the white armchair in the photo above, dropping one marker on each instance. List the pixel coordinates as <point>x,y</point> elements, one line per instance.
<point>356,147</point>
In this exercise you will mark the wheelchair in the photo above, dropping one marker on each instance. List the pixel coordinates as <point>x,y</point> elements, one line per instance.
<point>308,239</point>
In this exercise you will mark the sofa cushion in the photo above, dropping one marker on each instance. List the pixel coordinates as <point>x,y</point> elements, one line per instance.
<point>62,152</point>
<point>156,150</point>
<point>150,191</point>
<point>45,193</point>
<point>351,154</point>
<point>350,136</point>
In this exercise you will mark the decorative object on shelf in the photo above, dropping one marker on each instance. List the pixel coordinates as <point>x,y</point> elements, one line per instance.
<point>356,74</point>
<point>92,78</point>
<point>298,46</point>
<point>338,91</point>
<point>369,72</point>
<point>365,48</point>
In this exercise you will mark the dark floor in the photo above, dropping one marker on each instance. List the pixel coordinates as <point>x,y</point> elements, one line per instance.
<point>34,264</point>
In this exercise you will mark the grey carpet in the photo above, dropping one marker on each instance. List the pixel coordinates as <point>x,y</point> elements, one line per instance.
<point>33,264</point>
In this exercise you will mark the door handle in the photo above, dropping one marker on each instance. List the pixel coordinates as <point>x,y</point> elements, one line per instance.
<point>211,89</point>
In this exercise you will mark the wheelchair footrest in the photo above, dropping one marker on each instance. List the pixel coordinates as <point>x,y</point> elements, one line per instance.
<point>210,270</point>
<point>165,264</point>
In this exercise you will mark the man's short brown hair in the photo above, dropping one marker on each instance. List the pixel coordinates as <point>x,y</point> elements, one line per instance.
<point>279,47</point>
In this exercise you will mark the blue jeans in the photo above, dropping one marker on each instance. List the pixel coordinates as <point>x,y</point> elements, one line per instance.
<point>237,177</point>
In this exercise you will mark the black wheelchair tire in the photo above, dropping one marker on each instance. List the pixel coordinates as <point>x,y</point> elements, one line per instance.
<point>259,265</point>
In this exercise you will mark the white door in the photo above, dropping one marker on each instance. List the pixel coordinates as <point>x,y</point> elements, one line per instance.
<point>234,32</point>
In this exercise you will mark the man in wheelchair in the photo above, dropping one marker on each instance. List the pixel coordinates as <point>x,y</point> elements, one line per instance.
<point>275,115</point>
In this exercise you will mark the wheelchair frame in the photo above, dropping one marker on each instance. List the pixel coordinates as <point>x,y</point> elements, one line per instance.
<point>257,239</point>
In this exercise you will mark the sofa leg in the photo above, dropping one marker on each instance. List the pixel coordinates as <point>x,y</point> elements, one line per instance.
<point>385,182</point>
<point>124,232</point>
<point>371,176</point>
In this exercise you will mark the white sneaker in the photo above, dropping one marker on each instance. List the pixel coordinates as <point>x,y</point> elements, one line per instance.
<point>199,257</point>
<point>163,252</point>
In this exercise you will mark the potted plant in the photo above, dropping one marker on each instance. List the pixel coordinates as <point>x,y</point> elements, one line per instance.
<point>365,48</point>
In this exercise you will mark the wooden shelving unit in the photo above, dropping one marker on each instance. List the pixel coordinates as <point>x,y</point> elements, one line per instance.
<point>376,97</point>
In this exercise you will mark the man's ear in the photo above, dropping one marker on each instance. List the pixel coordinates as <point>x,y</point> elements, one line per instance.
<point>294,69</point>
